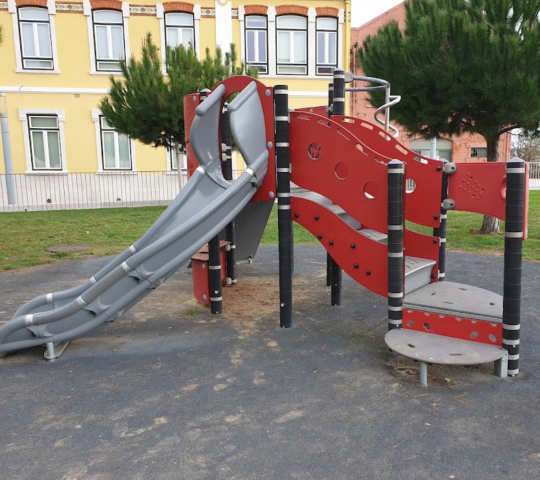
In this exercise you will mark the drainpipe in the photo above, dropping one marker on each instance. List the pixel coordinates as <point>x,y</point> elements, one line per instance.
<point>6,143</point>
<point>347,39</point>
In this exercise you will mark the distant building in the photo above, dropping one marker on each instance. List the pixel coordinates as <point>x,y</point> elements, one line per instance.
<point>465,148</point>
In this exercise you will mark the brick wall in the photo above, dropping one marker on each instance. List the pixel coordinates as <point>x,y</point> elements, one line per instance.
<point>360,107</point>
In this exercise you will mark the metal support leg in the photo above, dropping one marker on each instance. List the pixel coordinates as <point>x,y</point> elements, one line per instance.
<point>55,350</point>
<point>423,374</point>
<point>501,367</point>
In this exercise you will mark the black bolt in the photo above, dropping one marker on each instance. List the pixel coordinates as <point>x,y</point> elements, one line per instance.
<point>435,240</point>
<point>316,217</point>
<point>353,245</point>
<point>436,217</point>
<point>439,168</point>
<point>319,236</point>
<point>296,215</point>
<point>433,275</point>
<point>368,272</point>
<point>331,242</point>
<point>356,265</point>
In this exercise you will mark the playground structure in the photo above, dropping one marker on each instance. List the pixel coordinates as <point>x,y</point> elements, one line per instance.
<point>359,186</point>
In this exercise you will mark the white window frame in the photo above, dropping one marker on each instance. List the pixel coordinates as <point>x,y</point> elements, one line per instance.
<point>263,70</point>
<point>311,40</point>
<point>96,119</point>
<point>88,12</point>
<point>24,114</point>
<point>326,34</point>
<point>171,158</point>
<point>160,13</point>
<point>180,28</point>
<point>51,9</point>
<point>291,32</point>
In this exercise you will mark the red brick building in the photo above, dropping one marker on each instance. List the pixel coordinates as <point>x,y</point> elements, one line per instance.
<point>465,148</point>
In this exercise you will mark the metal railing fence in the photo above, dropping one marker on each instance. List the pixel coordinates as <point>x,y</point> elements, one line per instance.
<point>71,191</point>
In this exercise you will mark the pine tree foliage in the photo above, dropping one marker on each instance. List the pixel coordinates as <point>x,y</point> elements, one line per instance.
<point>148,105</point>
<point>461,66</point>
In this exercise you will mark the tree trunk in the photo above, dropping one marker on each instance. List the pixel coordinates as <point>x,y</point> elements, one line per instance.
<point>490,225</point>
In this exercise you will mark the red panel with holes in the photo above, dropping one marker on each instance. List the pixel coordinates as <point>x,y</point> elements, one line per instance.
<point>422,204</point>
<point>456,327</point>
<point>422,246</point>
<point>267,190</point>
<point>321,110</point>
<point>479,188</point>
<point>326,158</point>
<point>363,259</point>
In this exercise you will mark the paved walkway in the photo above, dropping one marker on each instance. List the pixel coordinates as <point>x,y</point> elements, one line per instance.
<point>173,392</point>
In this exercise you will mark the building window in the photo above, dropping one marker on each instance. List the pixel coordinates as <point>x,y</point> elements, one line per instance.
<point>108,39</point>
<point>180,30</point>
<point>44,132</point>
<point>256,42</point>
<point>479,152</point>
<point>35,37</point>
<point>291,45</point>
<point>172,159</point>
<point>327,45</point>
<point>115,148</point>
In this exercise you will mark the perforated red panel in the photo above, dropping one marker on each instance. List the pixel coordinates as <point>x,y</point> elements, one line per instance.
<point>479,188</point>
<point>328,159</point>
<point>267,190</point>
<point>422,204</point>
<point>455,327</point>
<point>364,260</point>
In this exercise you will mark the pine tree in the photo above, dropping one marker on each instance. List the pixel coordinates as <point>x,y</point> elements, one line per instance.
<point>461,66</point>
<point>148,105</point>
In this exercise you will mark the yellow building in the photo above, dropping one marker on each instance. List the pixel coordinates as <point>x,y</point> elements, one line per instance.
<point>56,59</point>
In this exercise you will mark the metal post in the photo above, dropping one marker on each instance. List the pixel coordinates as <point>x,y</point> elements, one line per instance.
<point>396,175</point>
<point>281,98</point>
<point>329,260</point>
<point>226,167</point>
<point>338,109</point>
<point>513,239</point>
<point>448,169</point>
<point>6,143</point>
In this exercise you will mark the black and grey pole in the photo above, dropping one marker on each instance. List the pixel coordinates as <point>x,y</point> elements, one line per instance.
<point>396,175</point>
<point>283,187</point>
<point>329,260</point>
<point>338,102</point>
<point>214,261</point>
<point>440,232</point>
<point>513,239</point>
<point>226,167</point>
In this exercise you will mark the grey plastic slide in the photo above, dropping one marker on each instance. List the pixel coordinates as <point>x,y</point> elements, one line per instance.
<point>202,209</point>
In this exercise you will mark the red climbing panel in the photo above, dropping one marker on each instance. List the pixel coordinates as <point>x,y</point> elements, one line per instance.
<point>328,159</point>
<point>232,85</point>
<point>450,326</point>
<point>364,260</point>
<point>479,188</point>
<point>422,205</point>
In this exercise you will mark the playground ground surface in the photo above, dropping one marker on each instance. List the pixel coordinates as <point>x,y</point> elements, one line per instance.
<point>172,392</point>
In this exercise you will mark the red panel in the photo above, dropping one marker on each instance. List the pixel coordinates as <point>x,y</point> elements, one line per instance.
<point>455,327</point>
<point>189,114</point>
<point>370,257</point>
<point>267,190</point>
<point>422,246</point>
<point>479,188</point>
<point>321,110</point>
<point>199,271</point>
<point>422,204</point>
<point>328,159</point>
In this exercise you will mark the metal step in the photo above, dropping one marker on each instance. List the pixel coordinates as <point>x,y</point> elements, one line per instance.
<point>417,270</point>
<point>428,348</point>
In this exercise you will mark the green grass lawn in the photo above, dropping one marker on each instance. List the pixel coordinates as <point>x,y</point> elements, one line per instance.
<point>25,236</point>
